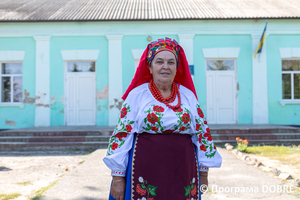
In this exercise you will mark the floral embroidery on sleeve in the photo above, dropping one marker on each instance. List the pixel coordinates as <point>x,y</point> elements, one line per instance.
<point>204,136</point>
<point>117,138</point>
<point>184,119</point>
<point>153,120</point>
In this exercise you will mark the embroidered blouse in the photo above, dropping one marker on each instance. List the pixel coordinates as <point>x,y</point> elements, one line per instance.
<point>141,112</point>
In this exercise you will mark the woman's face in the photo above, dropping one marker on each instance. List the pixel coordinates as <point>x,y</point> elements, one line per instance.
<point>163,67</point>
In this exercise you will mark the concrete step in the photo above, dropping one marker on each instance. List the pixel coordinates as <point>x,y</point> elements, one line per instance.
<point>254,136</point>
<point>51,146</point>
<point>55,133</point>
<point>88,138</point>
<point>285,142</point>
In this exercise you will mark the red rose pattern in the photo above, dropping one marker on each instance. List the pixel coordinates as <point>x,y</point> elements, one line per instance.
<point>121,135</point>
<point>214,147</point>
<point>202,147</point>
<point>200,137</point>
<point>206,134</point>
<point>151,199</point>
<point>198,126</point>
<point>152,118</point>
<point>114,146</point>
<point>128,128</point>
<point>209,138</point>
<point>200,113</point>
<point>205,122</point>
<point>123,112</point>
<point>207,130</point>
<point>186,118</point>
<point>158,109</point>
<point>154,128</point>
<point>182,128</point>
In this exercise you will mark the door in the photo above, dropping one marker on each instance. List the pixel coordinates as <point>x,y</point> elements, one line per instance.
<point>80,98</point>
<point>221,90</point>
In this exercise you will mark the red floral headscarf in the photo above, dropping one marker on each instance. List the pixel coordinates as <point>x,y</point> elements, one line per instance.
<point>142,74</point>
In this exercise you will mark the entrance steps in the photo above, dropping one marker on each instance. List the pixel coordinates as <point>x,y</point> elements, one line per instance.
<point>91,138</point>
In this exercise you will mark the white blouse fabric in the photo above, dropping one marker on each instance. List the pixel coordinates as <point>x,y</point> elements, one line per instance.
<point>141,112</point>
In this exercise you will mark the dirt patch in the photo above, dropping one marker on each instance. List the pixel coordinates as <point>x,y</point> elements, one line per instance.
<point>26,174</point>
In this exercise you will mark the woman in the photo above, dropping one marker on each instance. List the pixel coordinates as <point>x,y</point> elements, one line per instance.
<point>161,144</point>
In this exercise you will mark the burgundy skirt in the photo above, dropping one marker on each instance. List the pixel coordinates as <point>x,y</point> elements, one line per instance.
<point>164,166</point>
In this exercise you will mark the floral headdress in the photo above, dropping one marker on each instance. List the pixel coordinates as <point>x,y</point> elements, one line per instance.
<point>163,45</point>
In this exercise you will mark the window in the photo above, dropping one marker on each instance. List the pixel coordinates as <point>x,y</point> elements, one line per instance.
<point>291,79</point>
<point>81,66</point>
<point>216,65</point>
<point>11,82</point>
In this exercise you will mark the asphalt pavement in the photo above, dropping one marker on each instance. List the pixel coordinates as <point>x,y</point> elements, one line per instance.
<point>234,180</point>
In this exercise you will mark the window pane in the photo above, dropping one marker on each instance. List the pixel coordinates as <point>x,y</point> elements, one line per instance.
<point>286,86</point>
<point>11,68</point>
<point>17,94</point>
<point>296,86</point>
<point>220,65</point>
<point>290,65</point>
<point>81,66</point>
<point>5,88</point>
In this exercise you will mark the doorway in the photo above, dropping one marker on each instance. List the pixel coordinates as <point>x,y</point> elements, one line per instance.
<point>80,94</point>
<point>221,91</point>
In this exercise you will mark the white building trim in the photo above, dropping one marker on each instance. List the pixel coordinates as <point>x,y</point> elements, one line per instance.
<point>79,54</point>
<point>115,80</point>
<point>137,54</point>
<point>289,52</point>
<point>259,82</point>
<point>221,52</point>
<point>42,80</point>
<point>6,56</point>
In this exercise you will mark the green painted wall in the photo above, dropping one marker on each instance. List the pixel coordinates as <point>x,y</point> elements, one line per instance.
<point>23,117</point>
<point>57,75</point>
<point>288,114</point>
<point>244,70</point>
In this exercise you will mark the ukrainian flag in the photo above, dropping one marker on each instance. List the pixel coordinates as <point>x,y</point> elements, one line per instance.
<point>261,42</point>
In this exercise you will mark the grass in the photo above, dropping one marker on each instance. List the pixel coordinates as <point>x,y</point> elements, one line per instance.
<point>9,196</point>
<point>289,155</point>
<point>24,183</point>
<point>41,191</point>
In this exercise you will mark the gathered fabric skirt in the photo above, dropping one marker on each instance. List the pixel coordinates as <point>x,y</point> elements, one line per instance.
<point>162,166</point>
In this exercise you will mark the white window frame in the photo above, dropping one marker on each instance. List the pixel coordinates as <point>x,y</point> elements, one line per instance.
<point>290,53</point>
<point>292,100</point>
<point>11,57</point>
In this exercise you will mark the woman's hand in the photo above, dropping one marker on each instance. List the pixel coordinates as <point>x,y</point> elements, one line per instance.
<point>204,182</point>
<point>118,188</point>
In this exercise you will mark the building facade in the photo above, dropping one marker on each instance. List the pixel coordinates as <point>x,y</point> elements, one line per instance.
<point>74,73</point>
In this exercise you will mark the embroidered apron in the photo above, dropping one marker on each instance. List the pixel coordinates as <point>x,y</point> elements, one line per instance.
<point>164,167</point>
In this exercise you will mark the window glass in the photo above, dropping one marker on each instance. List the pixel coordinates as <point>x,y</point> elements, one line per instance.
<point>290,65</point>
<point>286,86</point>
<point>220,65</point>
<point>17,93</point>
<point>11,68</point>
<point>296,86</point>
<point>5,88</point>
<point>81,66</point>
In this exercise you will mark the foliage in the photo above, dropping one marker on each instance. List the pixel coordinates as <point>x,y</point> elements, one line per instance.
<point>241,144</point>
<point>9,196</point>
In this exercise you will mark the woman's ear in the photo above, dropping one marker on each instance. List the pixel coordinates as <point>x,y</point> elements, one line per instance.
<point>150,68</point>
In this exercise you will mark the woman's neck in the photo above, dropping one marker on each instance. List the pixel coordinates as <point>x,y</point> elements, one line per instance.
<point>165,89</point>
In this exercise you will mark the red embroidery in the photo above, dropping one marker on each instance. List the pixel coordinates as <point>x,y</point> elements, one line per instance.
<point>128,128</point>
<point>121,135</point>
<point>182,128</point>
<point>152,118</point>
<point>202,147</point>
<point>153,128</point>
<point>158,109</point>
<point>200,113</point>
<point>198,126</point>
<point>177,109</point>
<point>185,118</point>
<point>123,112</point>
<point>114,146</point>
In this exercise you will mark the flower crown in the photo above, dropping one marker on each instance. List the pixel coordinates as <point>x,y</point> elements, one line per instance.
<point>163,45</point>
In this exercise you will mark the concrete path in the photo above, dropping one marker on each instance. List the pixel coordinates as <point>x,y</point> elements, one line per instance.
<point>235,180</point>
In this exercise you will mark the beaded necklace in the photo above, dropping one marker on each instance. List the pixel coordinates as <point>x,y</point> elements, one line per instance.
<point>157,95</point>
